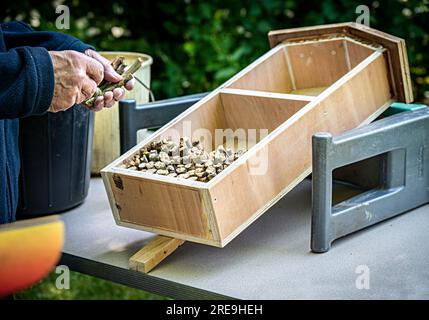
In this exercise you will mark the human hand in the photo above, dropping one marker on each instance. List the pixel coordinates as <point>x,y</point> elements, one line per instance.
<point>76,78</point>
<point>110,97</point>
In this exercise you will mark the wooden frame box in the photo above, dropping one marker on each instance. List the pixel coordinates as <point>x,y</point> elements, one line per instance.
<point>313,79</point>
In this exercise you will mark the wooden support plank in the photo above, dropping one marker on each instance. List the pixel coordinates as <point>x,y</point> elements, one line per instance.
<point>153,253</point>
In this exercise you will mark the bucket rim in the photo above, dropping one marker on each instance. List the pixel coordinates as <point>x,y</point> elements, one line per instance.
<point>148,60</point>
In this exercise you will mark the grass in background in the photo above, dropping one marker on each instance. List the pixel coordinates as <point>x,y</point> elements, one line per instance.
<point>83,287</point>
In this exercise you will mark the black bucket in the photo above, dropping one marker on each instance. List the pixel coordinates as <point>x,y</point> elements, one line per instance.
<point>55,161</point>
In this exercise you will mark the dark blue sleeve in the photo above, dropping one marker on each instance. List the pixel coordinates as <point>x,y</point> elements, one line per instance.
<point>27,75</point>
<point>26,83</point>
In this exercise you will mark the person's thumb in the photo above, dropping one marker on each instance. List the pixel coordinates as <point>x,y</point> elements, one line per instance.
<point>110,74</point>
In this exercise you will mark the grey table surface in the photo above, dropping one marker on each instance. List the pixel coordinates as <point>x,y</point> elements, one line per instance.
<point>271,259</point>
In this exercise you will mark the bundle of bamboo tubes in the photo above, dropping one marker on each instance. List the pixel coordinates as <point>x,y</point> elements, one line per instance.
<point>121,68</point>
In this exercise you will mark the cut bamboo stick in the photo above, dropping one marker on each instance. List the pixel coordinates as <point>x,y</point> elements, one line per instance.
<point>127,75</point>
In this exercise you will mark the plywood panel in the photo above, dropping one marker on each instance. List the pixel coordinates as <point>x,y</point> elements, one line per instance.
<point>309,91</point>
<point>317,64</point>
<point>356,53</point>
<point>200,124</point>
<point>271,75</point>
<point>253,112</point>
<point>160,205</point>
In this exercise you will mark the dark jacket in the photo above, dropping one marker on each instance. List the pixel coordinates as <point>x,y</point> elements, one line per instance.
<point>26,89</point>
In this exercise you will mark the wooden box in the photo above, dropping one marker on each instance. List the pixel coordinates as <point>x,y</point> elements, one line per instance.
<point>328,78</point>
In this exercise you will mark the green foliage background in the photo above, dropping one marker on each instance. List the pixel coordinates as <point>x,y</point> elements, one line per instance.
<point>197,45</point>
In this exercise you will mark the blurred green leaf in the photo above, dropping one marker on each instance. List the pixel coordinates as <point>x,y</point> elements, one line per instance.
<point>224,74</point>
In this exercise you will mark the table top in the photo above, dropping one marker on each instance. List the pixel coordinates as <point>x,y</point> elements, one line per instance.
<point>271,259</point>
